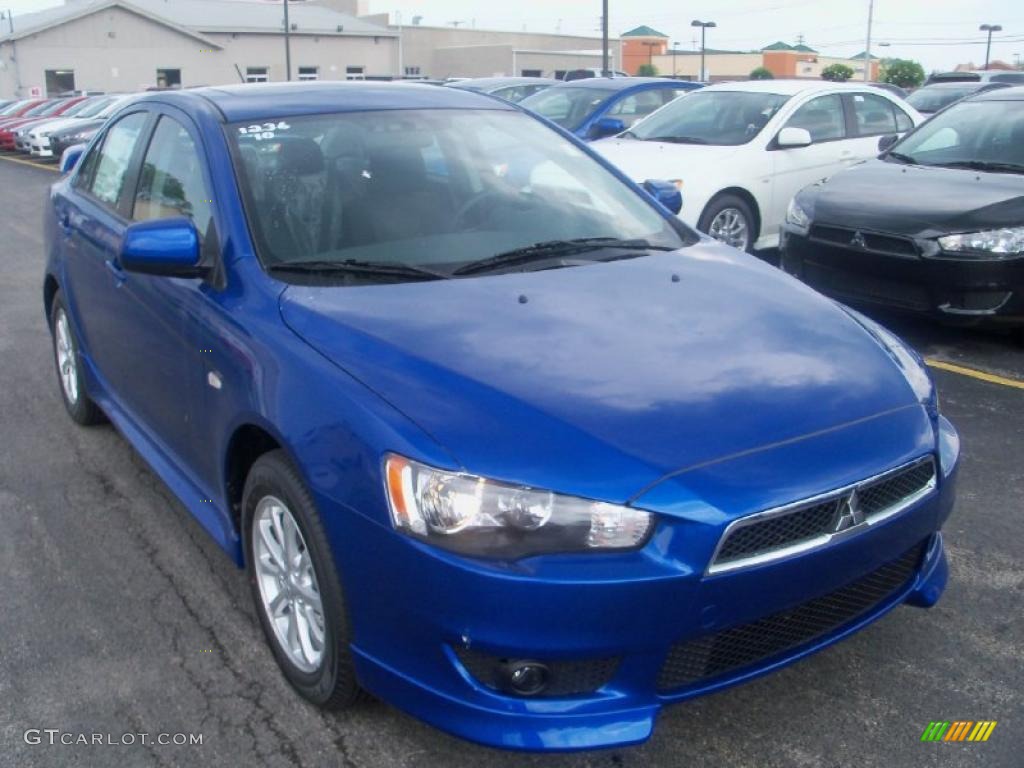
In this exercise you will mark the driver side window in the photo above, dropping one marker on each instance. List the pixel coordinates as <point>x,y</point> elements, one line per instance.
<point>822,117</point>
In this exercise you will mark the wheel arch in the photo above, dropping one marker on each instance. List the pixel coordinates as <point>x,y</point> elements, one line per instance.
<point>747,197</point>
<point>247,443</point>
<point>50,288</point>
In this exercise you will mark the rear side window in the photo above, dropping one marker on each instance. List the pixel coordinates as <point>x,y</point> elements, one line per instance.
<point>106,173</point>
<point>822,118</point>
<point>1010,77</point>
<point>875,115</point>
<point>638,105</point>
<point>171,181</point>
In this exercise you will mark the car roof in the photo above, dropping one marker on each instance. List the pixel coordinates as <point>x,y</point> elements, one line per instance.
<point>950,85</point>
<point>1014,93</point>
<point>269,101</point>
<point>616,83</point>
<point>789,87</point>
<point>480,83</point>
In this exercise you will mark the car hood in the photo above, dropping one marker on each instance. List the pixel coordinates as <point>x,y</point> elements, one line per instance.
<point>643,160</point>
<point>87,124</point>
<point>55,124</point>
<point>918,201</point>
<point>601,379</point>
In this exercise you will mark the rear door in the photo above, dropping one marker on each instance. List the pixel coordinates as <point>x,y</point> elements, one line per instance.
<point>92,222</point>
<point>869,117</point>
<point>796,167</point>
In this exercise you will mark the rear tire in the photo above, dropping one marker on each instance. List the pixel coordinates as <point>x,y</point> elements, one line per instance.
<point>295,584</point>
<point>729,219</point>
<point>68,361</point>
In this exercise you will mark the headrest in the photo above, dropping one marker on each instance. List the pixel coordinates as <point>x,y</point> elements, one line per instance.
<point>300,156</point>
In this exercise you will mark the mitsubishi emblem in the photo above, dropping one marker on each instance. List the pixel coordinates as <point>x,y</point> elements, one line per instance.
<point>858,241</point>
<point>850,514</point>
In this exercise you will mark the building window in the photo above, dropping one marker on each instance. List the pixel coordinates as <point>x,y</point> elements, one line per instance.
<point>59,81</point>
<point>309,73</point>
<point>354,73</point>
<point>168,78</point>
<point>257,74</point>
<point>412,71</point>
<point>531,73</point>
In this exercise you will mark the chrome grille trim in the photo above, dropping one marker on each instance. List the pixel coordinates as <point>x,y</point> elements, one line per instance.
<point>822,539</point>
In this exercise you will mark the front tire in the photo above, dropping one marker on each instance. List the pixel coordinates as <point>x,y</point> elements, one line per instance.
<point>295,585</point>
<point>729,219</point>
<point>68,360</point>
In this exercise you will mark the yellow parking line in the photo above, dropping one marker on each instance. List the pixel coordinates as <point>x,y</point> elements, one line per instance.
<point>992,378</point>
<point>50,168</point>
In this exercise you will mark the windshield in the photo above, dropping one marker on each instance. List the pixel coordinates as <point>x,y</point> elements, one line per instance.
<point>10,109</point>
<point>569,107</point>
<point>711,117</point>
<point>971,132</point>
<point>91,108</point>
<point>47,109</point>
<point>934,99</point>
<point>433,189</point>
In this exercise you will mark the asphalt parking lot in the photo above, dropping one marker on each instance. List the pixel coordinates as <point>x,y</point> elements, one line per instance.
<point>120,616</point>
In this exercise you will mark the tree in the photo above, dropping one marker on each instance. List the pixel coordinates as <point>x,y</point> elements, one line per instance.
<point>647,70</point>
<point>902,72</point>
<point>837,73</point>
<point>761,73</point>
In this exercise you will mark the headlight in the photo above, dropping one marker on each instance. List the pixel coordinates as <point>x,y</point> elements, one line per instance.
<point>1006,243</point>
<point>474,516</point>
<point>797,216</point>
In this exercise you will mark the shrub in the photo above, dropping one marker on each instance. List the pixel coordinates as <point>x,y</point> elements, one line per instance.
<point>761,73</point>
<point>837,73</point>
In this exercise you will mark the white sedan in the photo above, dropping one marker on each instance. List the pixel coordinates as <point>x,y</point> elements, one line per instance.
<point>740,151</point>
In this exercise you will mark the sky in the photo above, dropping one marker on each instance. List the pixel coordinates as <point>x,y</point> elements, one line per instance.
<point>938,33</point>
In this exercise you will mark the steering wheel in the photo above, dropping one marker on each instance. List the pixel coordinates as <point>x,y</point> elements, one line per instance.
<point>472,204</point>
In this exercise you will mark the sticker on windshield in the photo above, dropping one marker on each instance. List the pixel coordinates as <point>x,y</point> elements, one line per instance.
<point>264,131</point>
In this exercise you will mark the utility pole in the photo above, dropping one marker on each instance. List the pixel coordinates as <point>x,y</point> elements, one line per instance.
<point>867,48</point>
<point>14,52</point>
<point>401,62</point>
<point>287,43</point>
<point>990,28</point>
<point>703,28</point>
<point>605,70</point>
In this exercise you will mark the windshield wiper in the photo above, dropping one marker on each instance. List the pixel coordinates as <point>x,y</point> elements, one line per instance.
<point>627,134</point>
<point>678,139</point>
<point>981,165</point>
<point>902,158</point>
<point>553,249</point>
<point>357,267</point>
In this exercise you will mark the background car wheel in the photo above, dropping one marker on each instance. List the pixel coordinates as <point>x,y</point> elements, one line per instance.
<point>729,218</point>
<point>295,584</point>
<point>69,367</point>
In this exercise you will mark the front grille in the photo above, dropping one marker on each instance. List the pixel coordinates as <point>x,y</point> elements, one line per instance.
<point>733,649</point>
<point>567,678</point>
<point>872,241</point>
<point>808,524</point>
<point>855,286</point>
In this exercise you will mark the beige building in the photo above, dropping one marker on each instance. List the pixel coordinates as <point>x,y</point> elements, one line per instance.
<point>128,45</point>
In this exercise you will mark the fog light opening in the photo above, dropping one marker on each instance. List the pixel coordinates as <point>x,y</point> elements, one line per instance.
<point>525,678</point>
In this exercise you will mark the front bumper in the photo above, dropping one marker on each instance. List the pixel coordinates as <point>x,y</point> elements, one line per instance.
<point>967,291</point>
<point>418,611</point>
<point>40,146</point>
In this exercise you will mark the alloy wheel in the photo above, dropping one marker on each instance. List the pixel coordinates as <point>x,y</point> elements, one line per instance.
<point>67,363</point>
<point>731,227</point>
<point>288,586</point>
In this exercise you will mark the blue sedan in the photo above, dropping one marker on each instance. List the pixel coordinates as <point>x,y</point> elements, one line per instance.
<point>605,106</point>
<point>497,438</point>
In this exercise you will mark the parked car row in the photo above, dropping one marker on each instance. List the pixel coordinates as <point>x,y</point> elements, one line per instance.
<point>44,128</point>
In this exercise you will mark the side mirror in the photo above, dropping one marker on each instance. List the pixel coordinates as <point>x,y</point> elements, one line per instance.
<point>666,193</point>
<point>168,247</point>
<point>605,126</point>
<point>791,138</point>
<point>887,141</point>
<point>70,158</point>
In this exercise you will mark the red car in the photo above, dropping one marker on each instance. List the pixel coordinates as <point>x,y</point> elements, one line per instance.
<point>18,108</point>
<point>46,110</point>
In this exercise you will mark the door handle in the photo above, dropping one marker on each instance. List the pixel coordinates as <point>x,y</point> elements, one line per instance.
<point>115,269</point>
<point>64,221</point>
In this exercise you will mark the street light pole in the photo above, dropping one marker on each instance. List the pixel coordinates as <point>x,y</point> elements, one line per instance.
<point>287,43</point>
<point>675,49</point>
<point>867,47</point>
<point>605,70</point>
<point>990,28</point>
<point>703,28</point>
